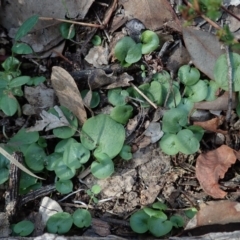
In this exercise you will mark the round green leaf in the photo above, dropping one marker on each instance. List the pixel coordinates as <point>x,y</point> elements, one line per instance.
<point>190,213</point>
<point>159,205</point>
<point>35,157</point>
<point>168,144</point>
<point>9,104</point>
<point>82,218</point>
<point>96,40</point>
<point>19,81</point>
<point>4,169</point>
<point>96,189</point>
<point>134,54</point>
<point>65,132</point>
<point>117,96</point>
<point>75,155</point>
<point>155,90</point>
<point>52,161</point>
<point>26,27</point>
<point>197,92</point>
<point>187,142</point>
<point>121,114</point>
<point>150,41</point>
<point>126,152</point>
<point>23,228</point>
<point>173,93</point>
<point>212,89</point>
<point>221,71</point>
<point>155,213</point>
<point>64,172</point>
<point>64,186</point>
<point>185,105</point>
<point>162,77</point>
<point>159,228</point>
<point>64,144</point>
<point>188,75</point>
<point>95,98</point>
<point>67,30</point>
<point>60,223</point>
<point>197,131</point>
<point>177,221</point>
<point>103,167</point>
<point>26,180</point>
<point>100,132</point>
<point>21,48</point>
<point>173,120</point>
<point>139,222</point>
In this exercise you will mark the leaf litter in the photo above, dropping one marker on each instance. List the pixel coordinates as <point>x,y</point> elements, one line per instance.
<point>150,174</point>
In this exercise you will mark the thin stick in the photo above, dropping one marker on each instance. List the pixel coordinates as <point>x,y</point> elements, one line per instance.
<point>230,81</point>
<point>70,21</point>
<point>231,13</point>
<point>144,96</point>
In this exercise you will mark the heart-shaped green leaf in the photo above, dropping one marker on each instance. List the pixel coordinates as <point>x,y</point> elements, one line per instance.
<point>64,186</point>
<point>150,41</point>
<point>121,114</point>
<point>197,92</point>
<point>168,144</point>
<point>139,222</point>
<point>159,228</point>
<point>188,75</point>
<point>82,218</point>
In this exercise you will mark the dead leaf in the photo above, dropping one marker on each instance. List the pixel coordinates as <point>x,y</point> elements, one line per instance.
<point>211,167</point>
<point>212,125</point>
<point>68,93</point>
<point>154,131</point>
<point>97,56</point>
<point>153,14</point>
<point>122,81</point>
<point>49,121</point>
<point>216,212</point>
<point>204,49</point>
<point>221,103</point>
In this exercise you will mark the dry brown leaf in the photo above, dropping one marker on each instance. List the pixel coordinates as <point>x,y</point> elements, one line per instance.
<point>212,125</point>
<point>153,14</point>
<point>68,93</point>
<point>98,56</point>
<point>211,167</point>
<point>221,103</point>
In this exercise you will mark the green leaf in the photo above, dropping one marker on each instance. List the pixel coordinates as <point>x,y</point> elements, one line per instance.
<point>174,97</point>
<point>82,218</point>
<point>139,222</point>
<point>96,40</point>
<point>188,75</point>
<point>35,157</point>
<point>52,161</point>
<point>10,64</point>
<point>212,89</point>
<point>126,152</point>
<point>190,213</point>
<point>64,186</point>
<point>185,105</point>
<point>65,132</point>
<point>22,137</point>
<point>162,77</point>
<point>117,96</point>
<point>23,228</point>
<point>221,71</point>
<point>64,172</point>
<point>4,169</point>
<point>64,144</point>
<point>150,41</point>
<point>103,167</point>
<point>36,80</point>
<point>95,98</point>
<point>9,104</point>
<point>169,144</point>
<point>21,48</point>
<point>173,120</point>
<point>155,90</point>
<point>17,91</point>
<point>121,114</point>
<point>159,228</point>
<point>26,180</point>
<point>100,132</point>
<point>197,92</point>
<point>26,27</point>
<point>159,205</point>
<point>67,30</point>
<point>197,131</point>
<point>19,81</point>
<point>96,189</point>
<point>134,54</point>
<point>187,142</point>
<point>177,221</point>
<point>155,213</point>
<point>75,155</point>
<point>60,223</point>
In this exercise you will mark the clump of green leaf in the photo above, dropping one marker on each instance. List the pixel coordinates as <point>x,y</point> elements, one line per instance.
<point>95,190</point>
<point>67,30</point>
<point>154,220</point>
<point>23,228</point>
<point>96,40</point>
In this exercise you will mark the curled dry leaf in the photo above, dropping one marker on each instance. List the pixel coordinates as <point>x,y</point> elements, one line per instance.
<point>212,125</point>
<point>211,167</point>
<point>68,93</point>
